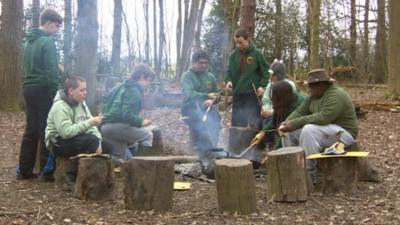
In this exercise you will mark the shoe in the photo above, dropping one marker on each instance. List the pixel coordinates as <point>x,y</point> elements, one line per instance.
<point>46,177</point>
<point>25,175</point>
<point>69,184</point>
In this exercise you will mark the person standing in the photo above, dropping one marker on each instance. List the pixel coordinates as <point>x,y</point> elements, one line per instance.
<point>40,84</point>
<point>247,76</point>
<point>200,89</point>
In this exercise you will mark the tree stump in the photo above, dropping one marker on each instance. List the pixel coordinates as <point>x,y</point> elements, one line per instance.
<point>95,180</point>
<point>62,164</point>
<point>235,186</point>
<point>149,183</point>
<point>240,138</point>
<point>339,174</point>
<point>287,175</point>
<point>157,148</point>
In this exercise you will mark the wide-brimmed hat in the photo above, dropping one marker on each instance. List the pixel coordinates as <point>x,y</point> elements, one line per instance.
<point>318,75</point>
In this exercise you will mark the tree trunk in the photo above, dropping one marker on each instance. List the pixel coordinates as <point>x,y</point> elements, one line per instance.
<point>67,48</point>
<point>95,180</point>
<point>116,38</point>
<point>179,34</point>
<point>11,54</point>
<point>287,175</point>
<point>188,36</point>
<point>380,46</point>
<point>149,183</point>
<point>247,14</point>
<point>62,165</point>
<point>394,48</point>
<point>35,13</point>
<point>314,33</point>
<point>366,40</point>
<point>155,58</point>
<point>235,186</point>
<point>128,41</point>
<point>147,42</point>
<point>86,47</point>
<point>353,33</point>
<point>278,30</point>
<point>197,43</point>
<point>161,38</point>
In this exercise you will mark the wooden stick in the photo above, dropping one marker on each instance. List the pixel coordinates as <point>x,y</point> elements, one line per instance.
<point>255,92</point>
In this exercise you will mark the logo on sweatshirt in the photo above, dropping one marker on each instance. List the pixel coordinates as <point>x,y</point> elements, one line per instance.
<point>249,60</point>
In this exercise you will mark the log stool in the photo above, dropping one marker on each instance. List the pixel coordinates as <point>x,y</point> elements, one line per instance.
<point>62,164</point>
<point>240,138</point>
<point>149,183</point>
<point>235,186</point>
<point>157,148</point>
<point>339,174</point>
<point>95,180</point>
<point>287,175</point>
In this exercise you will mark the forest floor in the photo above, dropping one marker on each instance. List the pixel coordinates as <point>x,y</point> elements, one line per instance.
<point>36,202</point>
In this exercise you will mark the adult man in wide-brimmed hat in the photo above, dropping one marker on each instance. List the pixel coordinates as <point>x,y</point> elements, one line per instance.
<point>314,124</point>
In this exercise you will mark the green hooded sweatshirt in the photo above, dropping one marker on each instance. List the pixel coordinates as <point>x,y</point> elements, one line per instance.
<point>198,85</point>
<point>246,68</point>
<point>123,104</point>
<point>68,118</point>
<point>334,107</point>
<point>40,62</point>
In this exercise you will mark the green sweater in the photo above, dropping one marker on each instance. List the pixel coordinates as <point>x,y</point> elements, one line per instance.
<point>67,119</point>
<point>197,85</point>
<point>334,107</point>
<point>40,62</point>
<point>123,104</point>
<point>246,68</point>
<point>275,121</point>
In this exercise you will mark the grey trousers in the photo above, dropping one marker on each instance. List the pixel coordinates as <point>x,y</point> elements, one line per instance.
<point>122,135</point>
<point>315,138</point>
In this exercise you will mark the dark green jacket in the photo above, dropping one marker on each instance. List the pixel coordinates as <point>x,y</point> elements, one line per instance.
<point>123,104</point>
<point>246,68</point>
<point>198,85</point>
<point>334,107</point>
<point>40,62</point>
<point>275,121</point>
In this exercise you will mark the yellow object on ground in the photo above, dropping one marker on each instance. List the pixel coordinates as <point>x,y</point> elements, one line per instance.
<point>348,154</point>
<point>182,186</point>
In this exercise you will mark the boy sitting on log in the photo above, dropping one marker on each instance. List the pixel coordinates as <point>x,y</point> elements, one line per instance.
<point>123,126</point>
<point>315,123</point>
<point>71,129</point>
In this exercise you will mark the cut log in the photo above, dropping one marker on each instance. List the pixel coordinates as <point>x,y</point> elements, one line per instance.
<point>62,165</point>
<point>339,174</point>
<point>287,179</point>
<point>240,138</point>
<point>181,159</point>
<point>157,148</point>
<point>149,183</point>
<point>95,180</point>
<point>235,186</point>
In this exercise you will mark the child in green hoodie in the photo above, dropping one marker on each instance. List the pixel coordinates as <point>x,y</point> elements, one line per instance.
<point>41,82</point>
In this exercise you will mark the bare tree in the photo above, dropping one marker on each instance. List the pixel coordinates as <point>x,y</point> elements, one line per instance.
<point>179,33</point>
<point>394,48</point>
<point>161,38</point>
<point>380,45</point>
<point>247,13</point>
<point>353,33</point>
<point>147,41</point>
<point>366,39</point>
<point>116,38</point>
<point>155,58</point>
<point>35,13</point>
<point>278,30</point>
<point>128,40</point>
<point>230,25</point>
<point>314,6</point>
<point>86,46</point>
<point>197,44</point>
<point>67,48</point>
<point>11,54</point>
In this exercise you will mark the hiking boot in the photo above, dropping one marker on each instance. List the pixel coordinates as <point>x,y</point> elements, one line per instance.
<point>69,184</point>
<point>26,175</point>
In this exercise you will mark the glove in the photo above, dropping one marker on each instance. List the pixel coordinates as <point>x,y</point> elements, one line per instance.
<point>258,138</point>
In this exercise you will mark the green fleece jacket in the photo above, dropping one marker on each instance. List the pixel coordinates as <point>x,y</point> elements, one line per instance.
<point>68,118</point>
<point>123,104</point>
<point>246,68</point>
<point>334,107</point>
<point>40,62</point>
<point>198,84</point>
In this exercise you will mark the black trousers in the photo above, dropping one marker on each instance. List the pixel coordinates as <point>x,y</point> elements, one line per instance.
<point>38,101</point>
<point>246,111</point>
<point>83,143</point>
